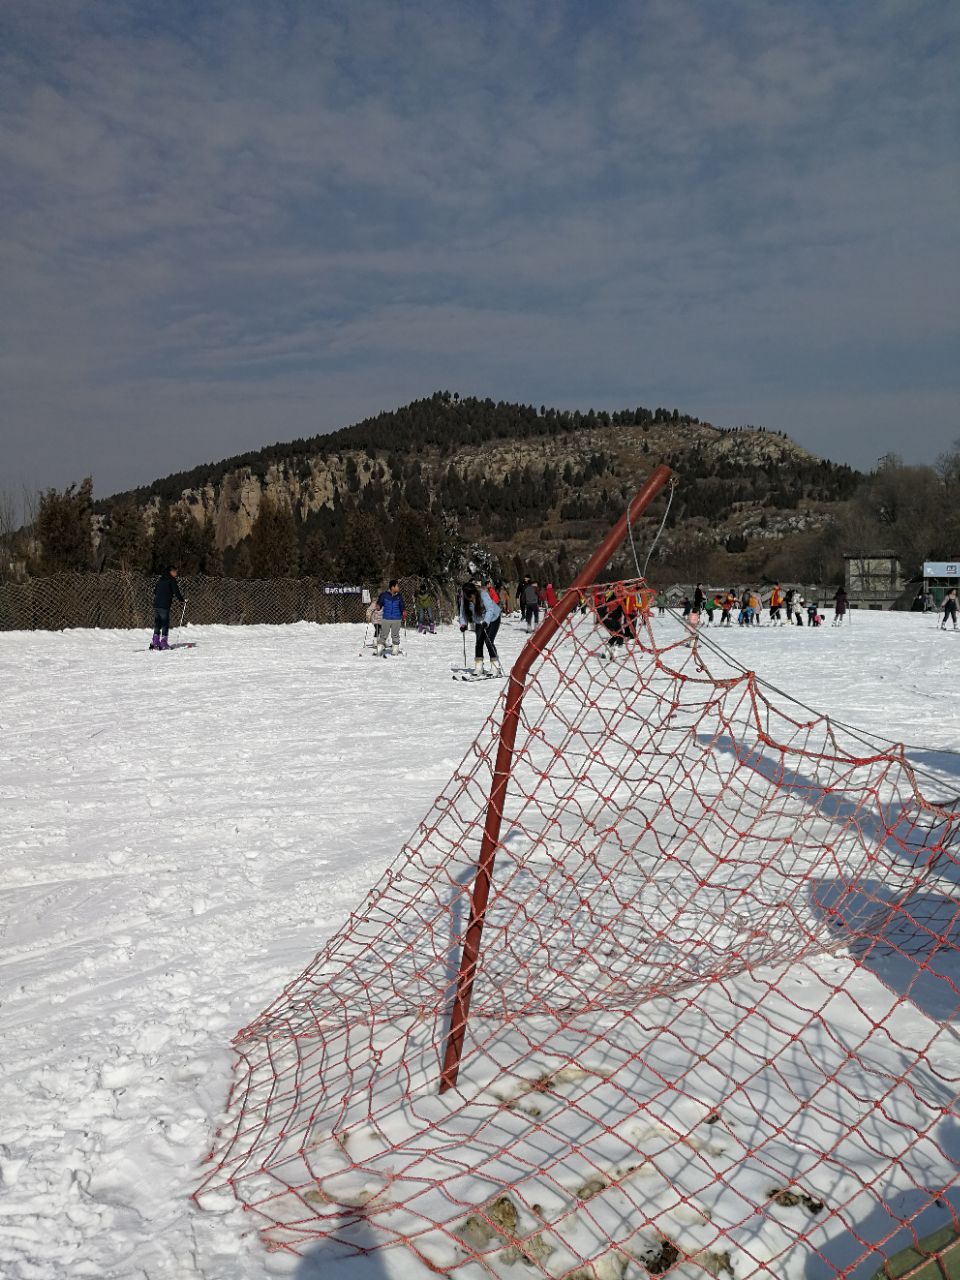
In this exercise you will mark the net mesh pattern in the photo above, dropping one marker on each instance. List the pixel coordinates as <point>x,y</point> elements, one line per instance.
<point>714,1022</point>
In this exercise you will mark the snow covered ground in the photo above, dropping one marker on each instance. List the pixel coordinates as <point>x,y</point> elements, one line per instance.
<point>179,835</point>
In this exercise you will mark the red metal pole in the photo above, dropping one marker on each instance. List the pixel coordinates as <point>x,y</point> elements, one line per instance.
<point>501,770</point>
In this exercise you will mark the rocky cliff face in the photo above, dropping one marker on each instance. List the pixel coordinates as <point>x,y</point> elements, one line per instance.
<point>704,457</point>
<point>539,485</point>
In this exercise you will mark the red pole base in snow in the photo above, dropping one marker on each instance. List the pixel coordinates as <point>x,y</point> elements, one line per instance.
<point>501,772</point>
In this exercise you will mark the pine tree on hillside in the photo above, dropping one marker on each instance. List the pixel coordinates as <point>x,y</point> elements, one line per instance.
<point>316,561</point>
<point>64,529</point>
<point>199,551</point>
<point>274,545</point>
<point>361,555</point>
<point>164,540</point>
<point>127,545</point>
<point>418,545</point>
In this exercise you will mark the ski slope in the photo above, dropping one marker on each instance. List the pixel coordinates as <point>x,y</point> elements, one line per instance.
<point>181,832</point>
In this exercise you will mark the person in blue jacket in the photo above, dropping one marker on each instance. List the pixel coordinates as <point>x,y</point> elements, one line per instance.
<point>478,610</point>
<point>164,592</point>
<point>394,612</point>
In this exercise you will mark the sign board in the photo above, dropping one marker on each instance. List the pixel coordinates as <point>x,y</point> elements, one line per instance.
<point>941,568</point>
<point>338,589</point>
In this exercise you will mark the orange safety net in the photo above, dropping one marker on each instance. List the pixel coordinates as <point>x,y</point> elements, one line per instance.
<point>714,1022</point>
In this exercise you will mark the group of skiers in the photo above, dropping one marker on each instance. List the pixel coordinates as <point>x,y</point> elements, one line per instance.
<point>478,607</point>
<point>532,598</point>
<point>389,610</point>
<point>925,602</point>
<point>481,605</point>
<point>785,607</point>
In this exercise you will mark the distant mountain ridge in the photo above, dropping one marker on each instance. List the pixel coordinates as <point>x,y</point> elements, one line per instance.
<point>536,485</point>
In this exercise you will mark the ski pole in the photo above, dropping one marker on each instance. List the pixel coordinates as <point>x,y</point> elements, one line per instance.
<point>366,632</point>
<point>182,612</point>
<point>463,637</point>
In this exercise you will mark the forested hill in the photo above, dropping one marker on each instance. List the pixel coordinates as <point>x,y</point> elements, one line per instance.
<point>409,489</point>
<point>443,422</point>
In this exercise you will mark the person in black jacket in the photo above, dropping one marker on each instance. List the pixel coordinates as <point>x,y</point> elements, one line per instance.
<point>163,595</point>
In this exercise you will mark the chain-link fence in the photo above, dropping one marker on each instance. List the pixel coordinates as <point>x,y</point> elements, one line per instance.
<point>116,599</point>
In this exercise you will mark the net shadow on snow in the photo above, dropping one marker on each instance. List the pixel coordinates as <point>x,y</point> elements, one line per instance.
<point>357,1261</point>
<point>909,938</point>
<point>911,944</point>
<point>917,1215</point>
<point>675,1051</point>
<point>945,762</point>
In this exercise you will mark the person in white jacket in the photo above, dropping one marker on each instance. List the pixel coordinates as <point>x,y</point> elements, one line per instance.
<point>478,610</point>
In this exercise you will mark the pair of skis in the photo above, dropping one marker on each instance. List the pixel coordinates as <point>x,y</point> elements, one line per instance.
<point>468,676</point>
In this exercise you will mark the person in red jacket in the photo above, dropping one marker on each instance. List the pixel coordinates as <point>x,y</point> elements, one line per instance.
<point>550,596</point>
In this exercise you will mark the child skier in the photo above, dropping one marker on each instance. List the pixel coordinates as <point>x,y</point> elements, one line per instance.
<point>424,603</point>
<point>394,612</point>
<point>375,616</point>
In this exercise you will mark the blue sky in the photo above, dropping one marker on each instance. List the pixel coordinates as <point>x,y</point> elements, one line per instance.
<point>223,225</point>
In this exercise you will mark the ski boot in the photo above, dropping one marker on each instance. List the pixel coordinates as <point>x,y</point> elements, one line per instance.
<point>155,640</point>
<point>164,643</point>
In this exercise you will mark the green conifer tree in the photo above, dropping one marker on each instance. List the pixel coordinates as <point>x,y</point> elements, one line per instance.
<point>127,544</point>
<point>274,545</point>
<point>64,529</point>
<point>361,556</point>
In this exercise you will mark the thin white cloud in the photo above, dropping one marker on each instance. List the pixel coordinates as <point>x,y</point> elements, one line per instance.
<point>663,200</point>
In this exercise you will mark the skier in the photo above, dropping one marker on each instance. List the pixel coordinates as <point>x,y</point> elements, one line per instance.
<point>613,615</point>
<point>424,603</point>
<point>394,612</point>
<point>839,607</point>
<point>776,604</point>
<point>551,596</point>
<point>163,595</point>
<point>949,607</point>
<point>699,598</point>
<point>661,603</point>
<point>530,603</point>
<point>477,609</point>
<point>375,615</point>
